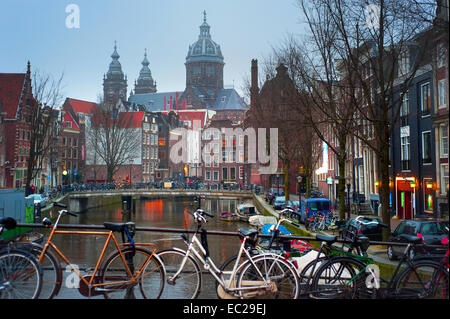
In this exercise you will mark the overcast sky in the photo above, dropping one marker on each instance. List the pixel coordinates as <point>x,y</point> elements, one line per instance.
<point>36,31</point>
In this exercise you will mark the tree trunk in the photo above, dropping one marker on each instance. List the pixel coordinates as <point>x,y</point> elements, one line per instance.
<point>109,174</point>
<point>384,192</point>
<point>341,187</point>
<point>287,165</point>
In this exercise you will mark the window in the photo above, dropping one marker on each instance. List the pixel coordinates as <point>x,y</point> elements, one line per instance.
<point>443,141</point>
<point>442,94</point>
<point>216,175</point>
<point>405,152</point>
<point>444,178</point>
<point>426,147</point>
<point>241,156</point>
<point>426,99</point>
<point>404,110</point>
<point>224,173</point>
<point>69,124</point>
<point>208,175</point>
<point>403,64</point>
<point>233,173</point>
<point>241,172</point>
<point>207,160</point>
<point>441,55</point>
<point>209,70</point>
<point>216,135</point>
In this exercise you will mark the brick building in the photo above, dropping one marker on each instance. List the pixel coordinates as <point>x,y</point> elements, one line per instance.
<point>16,103</point>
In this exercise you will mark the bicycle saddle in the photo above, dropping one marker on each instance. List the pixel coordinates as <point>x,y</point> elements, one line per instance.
<point>327,238</point>
<point>248,232</point>
<point>114,226</point>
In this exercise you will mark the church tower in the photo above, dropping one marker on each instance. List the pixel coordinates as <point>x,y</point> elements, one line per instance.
<point>145,83</point>
<point>204,65</point>
<point>114,82</point>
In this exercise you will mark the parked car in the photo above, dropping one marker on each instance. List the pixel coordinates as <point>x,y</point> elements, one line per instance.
<point>310,206</point>
<point>432,231</point>
<point>293,204</point>
<point>373,231</point>
<point>272,193</point>
<point>279,202</point>
<point>38,199</point>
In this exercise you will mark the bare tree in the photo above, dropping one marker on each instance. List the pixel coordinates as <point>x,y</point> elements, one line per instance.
<point>47,94</point>
<point>366,44</point>
<point>112,139</point>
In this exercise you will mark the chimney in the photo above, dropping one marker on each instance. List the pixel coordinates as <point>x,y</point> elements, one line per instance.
<point>164,102</point>
<point>254,90</point>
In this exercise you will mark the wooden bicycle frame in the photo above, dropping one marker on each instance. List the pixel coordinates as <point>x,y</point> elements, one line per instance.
<point>110,235</point>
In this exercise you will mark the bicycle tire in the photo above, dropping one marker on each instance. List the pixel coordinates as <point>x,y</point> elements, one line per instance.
<point>187,285</point>
<point>228,265</point>
<point>19,269</point>
<point>281,275</point>
<point>417,281</point>
<point>51,270</point>
<point>114,270</point>
<point>340,278</point>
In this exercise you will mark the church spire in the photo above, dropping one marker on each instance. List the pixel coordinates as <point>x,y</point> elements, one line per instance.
<point>145,83</point>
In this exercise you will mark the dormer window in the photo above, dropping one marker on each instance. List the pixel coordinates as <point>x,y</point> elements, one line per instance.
<point>69,124</point>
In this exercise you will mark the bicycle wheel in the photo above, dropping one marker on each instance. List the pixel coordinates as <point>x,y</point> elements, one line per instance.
<point>187,284</point>
<point>114,271</point>
<point>227,267</point>
<point>268,277</point>
<point>340,278</point>
<point>20,275</point>
<point>425,279</point>
<point>51,270</point>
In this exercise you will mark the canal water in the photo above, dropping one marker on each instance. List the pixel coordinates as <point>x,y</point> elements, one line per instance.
<point>84,250</point>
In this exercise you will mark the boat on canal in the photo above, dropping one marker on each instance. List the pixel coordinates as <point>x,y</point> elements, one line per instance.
<point>229,216</point>
<point>245,211</point>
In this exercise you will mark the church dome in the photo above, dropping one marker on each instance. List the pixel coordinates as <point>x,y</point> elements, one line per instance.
<point>205,49</point>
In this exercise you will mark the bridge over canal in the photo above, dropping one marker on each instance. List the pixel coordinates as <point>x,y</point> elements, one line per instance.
<point>82,201</point>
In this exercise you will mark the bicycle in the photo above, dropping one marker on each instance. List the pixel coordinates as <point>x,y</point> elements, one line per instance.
<point>345,277</point>
<point>259,276</point>
<point>20,272</point>
<point>128,266</point>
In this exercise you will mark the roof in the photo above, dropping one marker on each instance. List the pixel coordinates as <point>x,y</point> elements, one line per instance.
<point>132,119</point>
<point>80,106</point>
<point>11,85</point>
<point>193,115</point>
<point>69,118</point>
<point>155,101</point>
<point>229,99</point>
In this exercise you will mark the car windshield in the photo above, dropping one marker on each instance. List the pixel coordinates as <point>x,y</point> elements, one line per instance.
<point>433,229</point>
<point>319,205</point>
<point>279,199</point>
